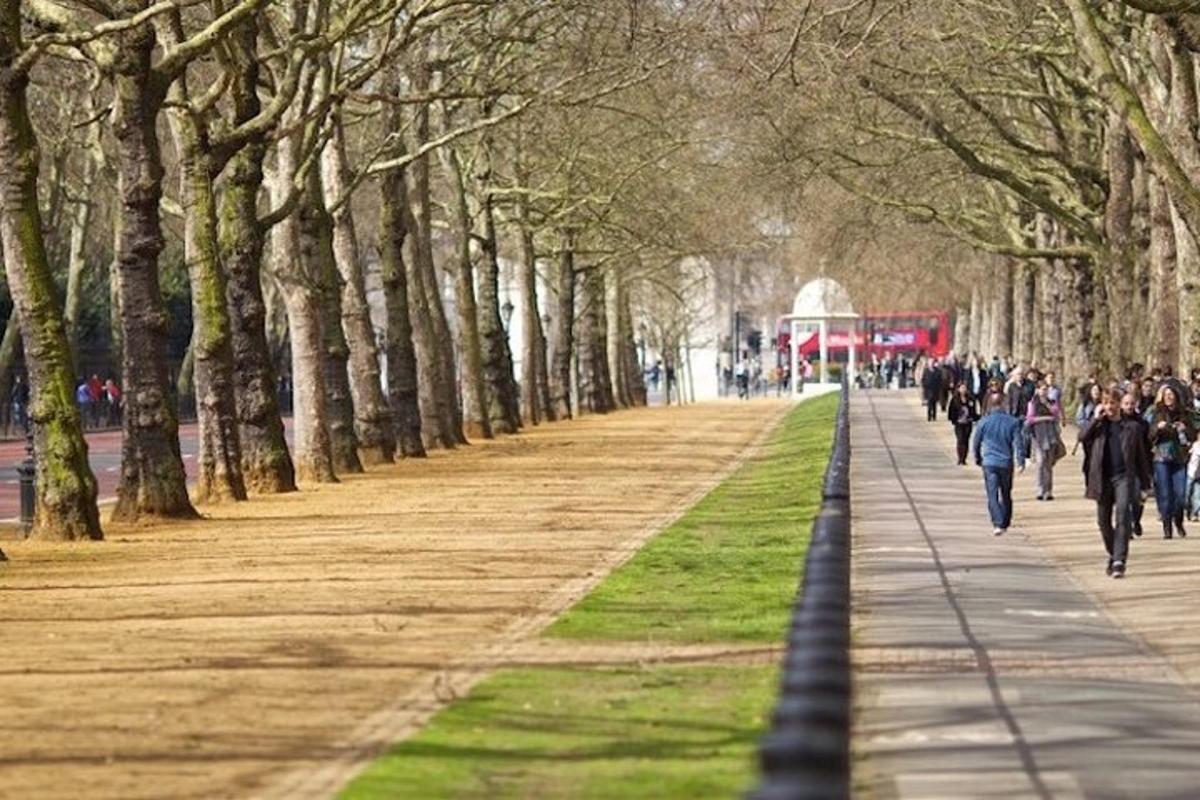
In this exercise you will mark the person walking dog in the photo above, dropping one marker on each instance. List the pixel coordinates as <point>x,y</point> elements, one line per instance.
<point>997,447</point>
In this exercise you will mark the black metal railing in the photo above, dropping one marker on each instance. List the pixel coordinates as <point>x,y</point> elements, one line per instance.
<point>806,753</point>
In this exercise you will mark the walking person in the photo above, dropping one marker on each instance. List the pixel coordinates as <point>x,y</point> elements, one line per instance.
<point>997,447</point>
<point>1042,422</point>
<point>1171,434</point>
<point>1118,468</point>
<point>19,401</point>
<point>931,385</point>
<point>964,413</point>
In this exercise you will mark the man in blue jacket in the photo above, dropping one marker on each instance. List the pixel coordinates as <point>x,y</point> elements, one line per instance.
<point>998,445</point>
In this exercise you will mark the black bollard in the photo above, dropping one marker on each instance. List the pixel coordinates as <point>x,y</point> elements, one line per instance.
<point>27,472</point>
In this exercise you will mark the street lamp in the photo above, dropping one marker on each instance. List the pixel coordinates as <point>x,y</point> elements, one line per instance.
<point>506,312</point>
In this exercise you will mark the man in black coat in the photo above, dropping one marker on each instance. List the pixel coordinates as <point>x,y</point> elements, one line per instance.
<point>931,386</point>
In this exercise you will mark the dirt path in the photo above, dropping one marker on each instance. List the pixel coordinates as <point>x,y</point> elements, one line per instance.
<point>269,650</point>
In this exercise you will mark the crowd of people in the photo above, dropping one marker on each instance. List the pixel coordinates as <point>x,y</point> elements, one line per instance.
<point>1138,435</point>
<point>99,402</point>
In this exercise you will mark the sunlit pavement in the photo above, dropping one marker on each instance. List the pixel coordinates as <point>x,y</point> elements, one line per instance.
<point>983,665</point>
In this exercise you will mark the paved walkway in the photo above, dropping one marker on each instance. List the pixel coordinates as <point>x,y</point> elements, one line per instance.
<point>1009,667</point>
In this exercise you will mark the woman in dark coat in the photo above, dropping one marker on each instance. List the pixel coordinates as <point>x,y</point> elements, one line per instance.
<point>1171,435</point>
<point>963,413</point>
<point>1118,446</point>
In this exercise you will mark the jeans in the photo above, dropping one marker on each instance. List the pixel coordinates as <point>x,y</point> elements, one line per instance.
<point>962,434</point>
<point>1119,495</point>
<point>931,408</point>
<point>998,482</point>
<point>1045,471</point>
<point>1170,486</point>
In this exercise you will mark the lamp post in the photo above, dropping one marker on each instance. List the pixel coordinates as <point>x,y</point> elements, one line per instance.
<point>27,474</point>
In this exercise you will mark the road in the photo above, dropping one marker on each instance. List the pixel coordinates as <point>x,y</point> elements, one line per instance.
<point>104,454</point>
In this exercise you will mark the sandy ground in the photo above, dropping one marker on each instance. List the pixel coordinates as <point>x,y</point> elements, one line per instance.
<point>270,649</point>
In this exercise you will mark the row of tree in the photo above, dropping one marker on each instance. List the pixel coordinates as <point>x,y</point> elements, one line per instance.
<point>275,155</point>
<point>1056,142</point>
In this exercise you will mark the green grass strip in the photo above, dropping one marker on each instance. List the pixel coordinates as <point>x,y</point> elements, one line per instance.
<point>728,569</point>
<point>685,732</point>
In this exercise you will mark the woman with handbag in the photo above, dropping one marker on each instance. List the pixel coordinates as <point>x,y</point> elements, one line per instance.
<point>1171,435</point>
<point>1041,420</point>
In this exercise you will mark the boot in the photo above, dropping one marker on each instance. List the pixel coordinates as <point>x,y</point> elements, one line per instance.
<point>1179,525</point>
<point>1167,533</point>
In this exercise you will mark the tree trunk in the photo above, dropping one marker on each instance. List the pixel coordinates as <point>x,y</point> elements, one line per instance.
<point>978,345</point>
<point>219,475</point>
<point>1163,311</point>
<point>635,372</point>
<point>564,328</point>
<point>81,220</point>
<point>1002,307</point>
<point>300,287</point>
<point>504,402</point>
<point>1121,257</point>
<point>593,344</point>
<point>613,344</point>
<point>400,353</point>
<point>316,248</point>
<point>1024,288</point>
<point>372,416</point>
<point>153,480</point>
<point>435,347</point>
<point>65,499</point>
<point>475,390</point>
<point>267,466</point>
<point>533,356</point>
<point>1077,321</point>
<point>962,330</point>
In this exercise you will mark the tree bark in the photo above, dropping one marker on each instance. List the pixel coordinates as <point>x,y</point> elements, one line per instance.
<point>267,466</point>
<point>613,344</point>
<point>1024,288</point>
<point>475,390</point>
<point>504,401</point>
<point>316,247</point>
<point>65,499</point>
<point>153,480</point>
<point>81,221</point>
<point>1002,307</point>
<point>635,377</point>
<point>400,352</point>
<point>219,475</point>
<point>564,326</point>
<point>1163,311</point>
<point>1118,229</point>
<point>535,388</point>
<point>593,345</point>
<point>373,424</point>
<point>441,410</point>
<point>300,287</point>
<point>976,327</point>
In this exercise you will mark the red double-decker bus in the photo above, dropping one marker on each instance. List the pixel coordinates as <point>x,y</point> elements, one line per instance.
<point>880,333</point>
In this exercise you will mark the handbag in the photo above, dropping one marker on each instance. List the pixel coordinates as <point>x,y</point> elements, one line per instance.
<point>1059,452</point>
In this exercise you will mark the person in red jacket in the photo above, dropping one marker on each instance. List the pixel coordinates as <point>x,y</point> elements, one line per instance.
<point>95,399</point>
<point>112,396</point>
